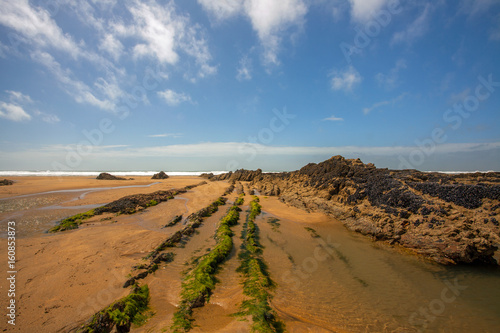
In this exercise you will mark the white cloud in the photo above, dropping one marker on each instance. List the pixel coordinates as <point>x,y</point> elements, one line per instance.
<point>195,45</point>
<point>18,97</point>
<point>13,112</point>
<point>162,34</point>
<point>416,29</point>
<point>77,89</point>
<point>333,118</point>
<point>245,69</point>
<point>15,109</point>
<point>112,46</point>
<point>346,80</point>
<point>222,9</point>
<point>390,80</point>
<point>111,89</point>
<point>166,135</point>
<point>270,19</point>
<point>383,103</point>
<point>362,10</point>
<point>48,118</point>
<point>173,98</point>
<point>36,25</point>
<point>158,27</point>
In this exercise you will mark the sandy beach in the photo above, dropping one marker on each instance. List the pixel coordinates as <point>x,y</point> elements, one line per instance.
<point>326,278</point>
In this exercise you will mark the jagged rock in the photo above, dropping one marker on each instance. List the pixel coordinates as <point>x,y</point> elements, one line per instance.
<point>414,209</point>
<point>136,202</point>
<point>160,175</point>
<point>132,203</point>
<point>173,221</point>
<point>107,176</point>
<point>207,175</point>
<point>6,182</point>
<point>239,175</point>
<point>164,257</point>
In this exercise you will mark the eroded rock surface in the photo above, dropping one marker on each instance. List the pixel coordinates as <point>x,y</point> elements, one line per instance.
<point>108,176</point>
<point>6,182</point>
<point>160,175</point>
<point>448,218</point>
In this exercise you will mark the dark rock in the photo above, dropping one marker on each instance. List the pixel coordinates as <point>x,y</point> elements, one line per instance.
<point>6,182</point>
<point>198,302</point>
<point>207,175</point>
<point>174,221</point>
<point>129,282</point>
<point>136,202</point>
<point>402,197</point>
<point>239,175</point>
<point>164,257</point>
<point>107,176</point>
<point>465,195</point>
<point>160,175</point>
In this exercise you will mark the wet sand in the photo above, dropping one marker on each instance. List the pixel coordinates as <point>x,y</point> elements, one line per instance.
<point>64,278</point>
<point>327,278</point>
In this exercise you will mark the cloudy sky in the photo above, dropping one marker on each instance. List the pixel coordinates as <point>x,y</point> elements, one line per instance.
<point>225,84</point>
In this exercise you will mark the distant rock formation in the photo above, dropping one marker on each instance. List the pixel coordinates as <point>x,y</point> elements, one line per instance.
<point>160,175</point>
<point>207,175</point>
<point>238,175</point>
<point>107,176</point>
<point>6,182</point>
<point>450,219</point>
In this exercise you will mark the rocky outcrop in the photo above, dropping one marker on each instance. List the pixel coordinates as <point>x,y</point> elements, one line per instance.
<point>107,176</point>
<point>207,175</point>
<point>160,175</point>
<point>133,203</point>
<point>448,218</point>
<point>173,221</point>
<point>6,182</point>
<point>238,175</point>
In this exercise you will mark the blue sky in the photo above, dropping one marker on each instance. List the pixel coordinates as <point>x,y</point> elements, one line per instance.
<point>221,84</point>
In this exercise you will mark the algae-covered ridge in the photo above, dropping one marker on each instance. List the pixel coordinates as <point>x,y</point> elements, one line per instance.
<point>240,199</point>
<point>256,280</point>
<point>127,205</point>
<point>198,284</point>
<point>121,314</point>
<point>72,222</point>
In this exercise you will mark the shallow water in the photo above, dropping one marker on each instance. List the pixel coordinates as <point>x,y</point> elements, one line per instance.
<point>342,281</point>
<point>37,212</point>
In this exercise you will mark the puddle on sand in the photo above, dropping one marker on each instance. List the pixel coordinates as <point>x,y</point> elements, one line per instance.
<point>342,281</point>
<point>38,212</point>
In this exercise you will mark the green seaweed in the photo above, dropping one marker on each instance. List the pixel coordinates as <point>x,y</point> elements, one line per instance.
<point>256,279</point>
<point>198,284</point>
<point>122,313</point>
<point>240,200</point>
<point>72,222</point>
